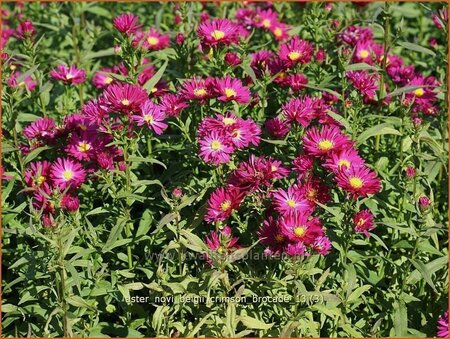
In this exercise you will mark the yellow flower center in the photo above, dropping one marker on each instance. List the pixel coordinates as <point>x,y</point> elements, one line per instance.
<point>312,193</point>
<point>154,90</point>
<point>355,182</point>
<point>84,147</point>
<point>225,206</point>
<point>125,102</point>
<point>41,180</point>
<point>273,168</point>
<point>13,67</point>
<point>294,55</point>
<point>236,133</point>
<point>83,127</point>
<point>229,92</point>
<point>279,238</point>
<point>69,76</point>
<point>360,222</point>
<point>325,145</point>
<point>364,53</point>
<point>278,32</point>
<point>67,174</point>
<point>299,231</point>
<point>228,121</point>
<point>220,250</point>
<point>148,118</point>
<point>343,163</point>
<point>200,92</point>
<point>419,92</point>
<point>291,203</point>
<point>152,40</point>
<point>266,23</point>
<point>108,80</point>
<point>217,35</point>
<point>216,145</point>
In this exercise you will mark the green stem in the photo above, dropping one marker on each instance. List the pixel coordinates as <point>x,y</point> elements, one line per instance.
<point>62,294</point>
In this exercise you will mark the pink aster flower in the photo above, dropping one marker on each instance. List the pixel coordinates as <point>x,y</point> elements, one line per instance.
<point>423,95</point>
<point>442,326</point>
<point>245,132</point>
<point>297,249</point>
<point>300,228</point>
<point>328,139</point>
<point>300,110</point>
<point>363,52</point>
<point>83,146</point>
<point>265,18</point>
<point>101,79</point>
<point>358,181</point>
<point>322,245</point>
<point>124,97</point>
<point>154,40</point>
<point>343,160</point>
<point>353,34</point>
<point>173,104</point>
<point>303,165</point>
<point>296,51</point>
<point>229,89</point>
<point>67,173</point>
<point>215,149</point>
<point>363,222</point>
<point>271,236</point>
<point>277,128</point>
<point>69,75</point>
<point>196,89</point>
<point>424,202</point>
<point>70,203</point>
<point>127,23</point>
<point>290,201</point>
<point>232,59</point>
<point>295,81</point>
<point>315,191</point>
<point>28,81</point>
<point>256,172</point>
<point>222,202</point>
<point>280,31</point>
<point>151,115</point>
<point>364,82</point>
<point>42,128</point>
<point>37,174</point>
<point>25,30</point>
<point>222,243</point>
<point>218,31</point>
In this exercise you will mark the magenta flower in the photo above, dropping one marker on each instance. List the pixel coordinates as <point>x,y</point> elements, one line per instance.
<point>271,236</point>
<point>442,326</point>
<point>343,160</point>
<point>364,82</point>
<point>124,97</point>
<point>173,104</point>
<point>322,245</point>
<point>222,202</point>
<point>218,31</point>
<point>297,249</point>
<point>290,201</point>
<point>70,203</point>
<point>215,149</point>
<point>127,23</point>
<point>298,227</point>
<point>195,89</point>
<point>300,110</point>
<point>37,174</point>
<point>28,81</point>
<point>69,75</point>
<point>358,181</point>
<point>83,146</point>
<point>328,139</point>
<point>101,79</point>
<point>151,115</point>
<point>265,18</point>
<point>25,30</point>
<point>296,51</point>
<point>154,40</point>
<point>363,222</point>
<point>42,128</point>
<point>229,89</point>
<point>65,173</point>
<point>277,128</point>
<point>221,242</point>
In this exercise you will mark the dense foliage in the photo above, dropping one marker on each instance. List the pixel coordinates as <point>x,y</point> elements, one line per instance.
<point>224,169</point>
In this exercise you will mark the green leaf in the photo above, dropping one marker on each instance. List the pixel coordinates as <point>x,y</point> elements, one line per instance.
<point>150,84</point>
<point>400,319</point>
<point>34,153</point>
<point>77,301</point>
<point>253,323</point>
<point>98,54</point>
<point>420,266</point>
<point>361,67</point>
<point>416,48</point>
<point>377,130</point>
